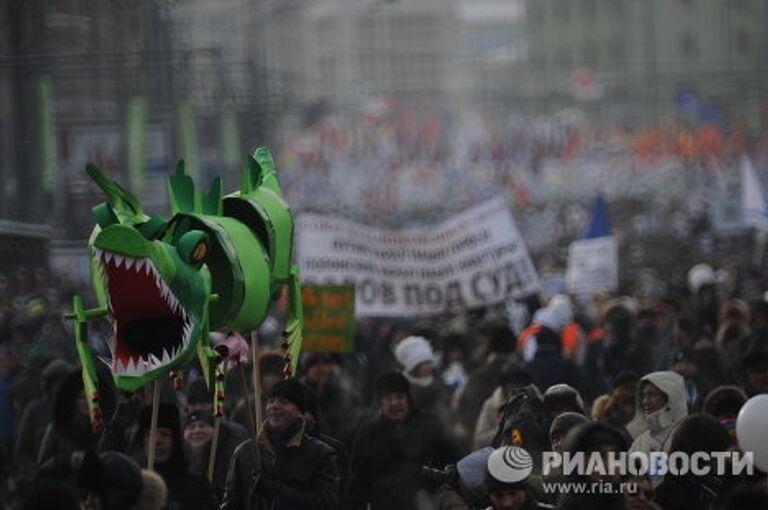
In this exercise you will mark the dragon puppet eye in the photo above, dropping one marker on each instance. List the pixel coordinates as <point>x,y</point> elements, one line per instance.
<point>194,246</point>
<point>105,215</point>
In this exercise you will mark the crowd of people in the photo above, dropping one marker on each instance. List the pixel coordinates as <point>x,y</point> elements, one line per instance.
<point>400,161</point>
<point>417,417</point>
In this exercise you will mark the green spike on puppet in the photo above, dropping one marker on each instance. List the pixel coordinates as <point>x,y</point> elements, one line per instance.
<point>268,175</point>
<point>181,189</point>
<point>126,206</point>
<point>260,173</point>
<point>185,198</point>
<point>212,200</point>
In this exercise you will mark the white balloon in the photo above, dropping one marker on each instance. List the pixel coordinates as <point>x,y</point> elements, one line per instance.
<point>752,429</point>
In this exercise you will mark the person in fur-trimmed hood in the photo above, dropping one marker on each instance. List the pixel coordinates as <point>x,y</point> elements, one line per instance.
<point>113,481</point>
<point>661,406</point>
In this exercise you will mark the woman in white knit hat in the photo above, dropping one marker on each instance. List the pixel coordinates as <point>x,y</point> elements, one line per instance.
<point>415,355</point>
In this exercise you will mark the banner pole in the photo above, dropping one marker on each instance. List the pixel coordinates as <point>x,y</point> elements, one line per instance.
<point>153,425</point>
<point>256,379</point>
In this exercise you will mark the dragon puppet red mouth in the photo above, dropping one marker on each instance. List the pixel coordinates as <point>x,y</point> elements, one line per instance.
<point>150,326</point>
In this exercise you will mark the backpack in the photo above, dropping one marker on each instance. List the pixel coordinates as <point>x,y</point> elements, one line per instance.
<point>524,423</point>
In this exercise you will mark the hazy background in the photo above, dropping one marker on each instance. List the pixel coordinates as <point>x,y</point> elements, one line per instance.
<point>396,112</point>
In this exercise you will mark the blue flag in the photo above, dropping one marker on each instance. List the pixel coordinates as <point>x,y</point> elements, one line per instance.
<point>691,104</point>
<point>599,225</point>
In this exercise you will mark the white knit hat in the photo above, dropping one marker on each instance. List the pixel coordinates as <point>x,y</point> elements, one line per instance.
<point>553,318</point>
<point>413,351</point>
<point>700,275</point>
<point>562,306</point>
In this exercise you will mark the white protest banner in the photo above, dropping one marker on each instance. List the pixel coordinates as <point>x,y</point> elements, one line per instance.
<point>593,266</point>
<point>472,259</point>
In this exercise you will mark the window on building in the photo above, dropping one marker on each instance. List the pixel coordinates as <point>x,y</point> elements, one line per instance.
<point>589,55</point>
<point>742,5</point>
<point>616,6</point>
<point>689,45</point>
<point>743,42</point>
<point>589,8</point>
<point>536,13</point>
<point>563,10</point>
<point>617,51</point>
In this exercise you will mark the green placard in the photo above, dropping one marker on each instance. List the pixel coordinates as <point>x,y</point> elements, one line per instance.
<point>329,317</point>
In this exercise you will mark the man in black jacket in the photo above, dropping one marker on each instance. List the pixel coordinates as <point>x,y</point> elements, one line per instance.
<point>286,469</point>
<point>390,451</point>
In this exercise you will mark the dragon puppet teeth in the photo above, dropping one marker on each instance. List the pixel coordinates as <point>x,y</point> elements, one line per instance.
<point>112,342</point>
<point>187,332</point>
<point>138,365</point>
<point>144,266</point>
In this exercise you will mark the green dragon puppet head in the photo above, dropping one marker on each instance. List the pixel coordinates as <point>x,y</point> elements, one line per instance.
<point>215,265</point>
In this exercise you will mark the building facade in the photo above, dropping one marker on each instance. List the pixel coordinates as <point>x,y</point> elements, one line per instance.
<point>628,60</point>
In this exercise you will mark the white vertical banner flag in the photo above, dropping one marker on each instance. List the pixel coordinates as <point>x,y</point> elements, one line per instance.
<point>593,266</point>
<point>753,207</point>
<point>593,262</point>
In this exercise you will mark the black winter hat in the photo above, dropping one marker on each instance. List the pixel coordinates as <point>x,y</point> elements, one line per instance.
<point>291,390</point>
<point>203,416</point>
<point>625,377</point>
<point>700,433</point>
<point>392,382</point>
<point>724,401</point>
<point>113,475</point>
<point>54,373</point>
<point>197,393</point>
<point>756,358</point>
<point>563,423</point>
<point>591,436</point>
<point>562,396</point>
<point>167,416</point>
<point>514,373</point>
